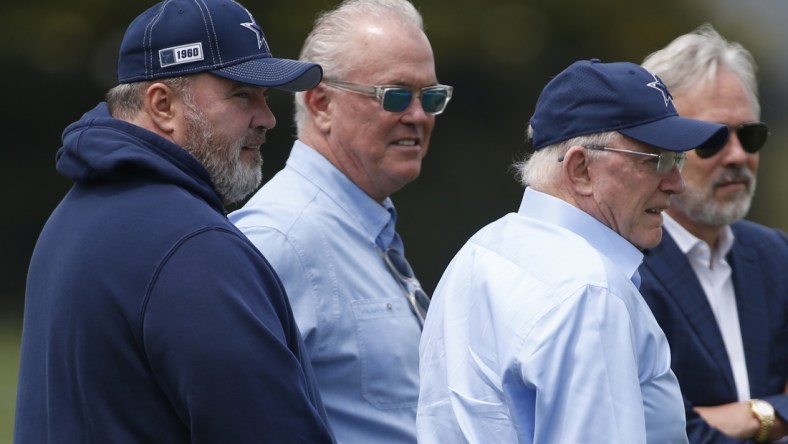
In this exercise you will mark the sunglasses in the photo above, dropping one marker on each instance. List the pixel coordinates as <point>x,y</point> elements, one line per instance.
<point>402,271</point>
<point>396,99</point>
<point>752,137</point>
<point>665,160</point>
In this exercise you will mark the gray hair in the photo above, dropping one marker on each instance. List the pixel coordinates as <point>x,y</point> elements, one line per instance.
<point>329,42</point>
<point>693,59</point>
<point>125,100</point>
<point>542,169</point>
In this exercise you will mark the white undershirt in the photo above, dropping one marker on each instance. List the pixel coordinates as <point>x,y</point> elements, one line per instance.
<point>715,276</point>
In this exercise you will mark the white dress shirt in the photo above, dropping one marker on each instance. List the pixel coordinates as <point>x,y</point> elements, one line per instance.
<point>716,279</point>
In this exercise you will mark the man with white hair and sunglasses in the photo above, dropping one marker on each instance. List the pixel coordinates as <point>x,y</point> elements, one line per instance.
<point>718,285</point>
<point>328,225</point>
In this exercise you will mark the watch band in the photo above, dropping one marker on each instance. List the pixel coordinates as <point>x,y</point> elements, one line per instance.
<point>764,412</point>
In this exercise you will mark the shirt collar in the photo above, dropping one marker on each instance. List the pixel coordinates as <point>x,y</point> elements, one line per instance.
<point>687,241</point>
<point>553,210</point>
<point>377,221</point>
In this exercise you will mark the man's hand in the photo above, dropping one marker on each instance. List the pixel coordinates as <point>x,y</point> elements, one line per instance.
<point>737,421</point>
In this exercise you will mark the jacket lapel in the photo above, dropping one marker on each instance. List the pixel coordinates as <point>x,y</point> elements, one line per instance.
<point>753,312</point>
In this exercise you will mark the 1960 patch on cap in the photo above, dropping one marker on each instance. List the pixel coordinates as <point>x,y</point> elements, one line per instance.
<point>180,54</point>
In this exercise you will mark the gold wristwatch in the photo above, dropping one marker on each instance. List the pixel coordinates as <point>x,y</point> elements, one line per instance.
<point>765,414</point>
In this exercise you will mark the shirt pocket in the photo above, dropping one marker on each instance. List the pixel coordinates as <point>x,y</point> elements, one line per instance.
<point>388,346</point>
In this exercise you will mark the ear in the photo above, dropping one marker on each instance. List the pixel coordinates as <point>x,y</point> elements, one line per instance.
<point>576,171</point>
<point>162,106</point>
<point>318,103</point>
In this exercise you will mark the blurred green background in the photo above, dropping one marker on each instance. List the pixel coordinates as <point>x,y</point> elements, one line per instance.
<point>59,59</point>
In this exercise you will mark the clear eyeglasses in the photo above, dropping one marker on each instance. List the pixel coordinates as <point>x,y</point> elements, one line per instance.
<point>402,271</point>
<point>665,160</point>
<point>396,99</point>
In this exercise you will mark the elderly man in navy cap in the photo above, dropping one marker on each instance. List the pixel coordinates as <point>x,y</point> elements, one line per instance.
<point>148,316</point>
<point>537,332</point>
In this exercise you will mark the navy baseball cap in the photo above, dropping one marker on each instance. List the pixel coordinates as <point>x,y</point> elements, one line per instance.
<point>182,37</point>
<point>592,97</point>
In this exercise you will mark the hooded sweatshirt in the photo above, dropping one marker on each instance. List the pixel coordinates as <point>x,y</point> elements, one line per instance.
<point>148,316</point>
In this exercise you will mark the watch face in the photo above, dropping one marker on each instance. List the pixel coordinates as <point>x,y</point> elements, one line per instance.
<point>763,408</point>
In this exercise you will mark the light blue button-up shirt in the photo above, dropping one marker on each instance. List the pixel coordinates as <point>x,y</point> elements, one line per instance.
<point>325,237</point>
<point>537,334</point>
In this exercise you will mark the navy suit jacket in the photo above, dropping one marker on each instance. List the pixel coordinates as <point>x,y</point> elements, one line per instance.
<point>759,259</point>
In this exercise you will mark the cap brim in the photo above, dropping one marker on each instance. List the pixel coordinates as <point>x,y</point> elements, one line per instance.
<point>678,133</point>
<point>289,75</point>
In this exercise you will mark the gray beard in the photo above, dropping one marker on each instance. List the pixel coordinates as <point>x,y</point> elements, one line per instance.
<point>700,206</point>
<point>221,157</point>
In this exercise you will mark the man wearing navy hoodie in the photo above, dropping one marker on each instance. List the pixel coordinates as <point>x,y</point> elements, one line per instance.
<point>148,316</point>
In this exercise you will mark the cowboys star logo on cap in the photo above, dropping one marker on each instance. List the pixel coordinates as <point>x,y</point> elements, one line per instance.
<point>659,86</point>
<point>254,27</point>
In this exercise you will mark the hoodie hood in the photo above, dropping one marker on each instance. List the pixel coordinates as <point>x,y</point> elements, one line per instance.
<point>99,148</point>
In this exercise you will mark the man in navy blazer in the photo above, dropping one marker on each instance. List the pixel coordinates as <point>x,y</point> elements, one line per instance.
<point>718,285</point>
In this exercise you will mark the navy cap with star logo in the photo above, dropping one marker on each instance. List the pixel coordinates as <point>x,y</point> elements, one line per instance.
<point>182,37</point>
<point>591,97</point>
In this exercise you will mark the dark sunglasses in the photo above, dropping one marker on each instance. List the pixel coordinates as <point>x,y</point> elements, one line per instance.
<point>752,137</point>
<point>401,269</point>
<point>396,99</point>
